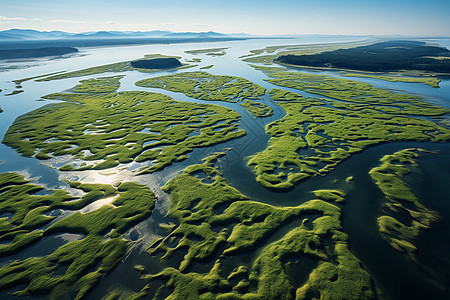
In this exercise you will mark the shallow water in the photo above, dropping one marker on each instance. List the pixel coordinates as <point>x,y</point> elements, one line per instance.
<point>397,276</point>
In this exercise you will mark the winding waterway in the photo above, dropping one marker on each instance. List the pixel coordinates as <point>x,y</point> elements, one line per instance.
<point>393,273</point>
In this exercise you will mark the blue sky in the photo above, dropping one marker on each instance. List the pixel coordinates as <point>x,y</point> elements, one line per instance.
<point>380,17</point>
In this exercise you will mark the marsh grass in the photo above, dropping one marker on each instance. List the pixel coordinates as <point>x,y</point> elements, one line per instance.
<point>83,262</point>
<point>256,109</point>
<point>205,86</point>
<point>114,68</point>
<point>216,221</point>
<point>103,128</point>
<point>317,134</point>
<point>400,200</point>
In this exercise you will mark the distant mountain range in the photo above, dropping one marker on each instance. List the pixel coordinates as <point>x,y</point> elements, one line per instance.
<point>29,34</point>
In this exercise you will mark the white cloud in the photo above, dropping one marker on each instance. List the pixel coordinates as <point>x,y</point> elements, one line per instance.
<point>2,18</point>
<point>66,21</point>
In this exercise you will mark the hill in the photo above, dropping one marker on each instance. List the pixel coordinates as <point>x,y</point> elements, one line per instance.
<point>35,53</point>
<point>379,57</point>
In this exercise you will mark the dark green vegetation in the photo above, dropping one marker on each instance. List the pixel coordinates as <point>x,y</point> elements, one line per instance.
<point>212,51</point>
<point>257,109</point>
<point>102,130</point>
<point>405,216</point>
<point>115,67</point>
<point>273,52</point>
<point>74,268</point>
<point>431,81</point>
<point>217,222</point>
<point>205,86</point>
<point>317,134</point>
<point>35,53</point>
<point>156,63</point>
<point>379,57</point>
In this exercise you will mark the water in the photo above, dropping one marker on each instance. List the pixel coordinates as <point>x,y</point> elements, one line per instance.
<point>396,275</point>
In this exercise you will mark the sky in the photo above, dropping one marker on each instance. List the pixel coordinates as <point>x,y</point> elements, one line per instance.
<point>260,17</point>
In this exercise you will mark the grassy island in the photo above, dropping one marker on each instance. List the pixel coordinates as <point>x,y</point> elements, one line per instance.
<point>401,201</point>
<point>431,81</point>
<point>271,53</point>
<point>206,67</point>
<point>378,57</point>
<point>256,109</point>
<point>212,51</point>
<point>205,86</point>
<point>316,134</point>
<point>217,222</point>
<point>115,67</point>
<point>100,129</point>
<point>73,269</point>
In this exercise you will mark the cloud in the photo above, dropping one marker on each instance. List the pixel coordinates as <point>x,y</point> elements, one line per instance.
<point>2,18</point>
<point>66,21</point>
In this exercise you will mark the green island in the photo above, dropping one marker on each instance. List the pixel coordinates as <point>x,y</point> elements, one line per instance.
<point>205,86</point>
<point>384,56</point>
<point>98,85</point>
<point>401,201</point>
<point>96,244</point>
<point>100,129</point>
<point>115,67</point>
<point>18,82</point>
<point>317,134</point>
<point>431,81</point>
<point>195,59</point>
<point>212,51</point>
<point>256,109</point>
<point>15,92</point>
<point>217,222</point>
<point>206,67</point>
<point>297,50</point>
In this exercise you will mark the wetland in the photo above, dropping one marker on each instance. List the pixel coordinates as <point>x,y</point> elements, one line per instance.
<point>234,178</point>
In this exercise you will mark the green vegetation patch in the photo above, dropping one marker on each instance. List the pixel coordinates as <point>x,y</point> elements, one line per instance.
<point>317,134</point>
<point>74,268</point>
<point>212,51</point>
<point>15,92</point>
<point>431,81</point>
<point>384,56</point>
<point>114,68</point>
<point>256,109</point>
<point>102,130</point>
<point>217,222</point>
<point>273,52</point>
<point>98,85</point>
<point>195,59</point>
<point>206,67</point>
<point>401,201</point>
<point>18,82</point>
<point>205,86</point>
<point>355,91</point>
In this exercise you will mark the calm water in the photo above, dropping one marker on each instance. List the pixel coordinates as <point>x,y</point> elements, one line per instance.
<point>393,273</point>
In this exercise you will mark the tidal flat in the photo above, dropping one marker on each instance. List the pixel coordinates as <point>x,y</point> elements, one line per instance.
<point>225,181</point>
